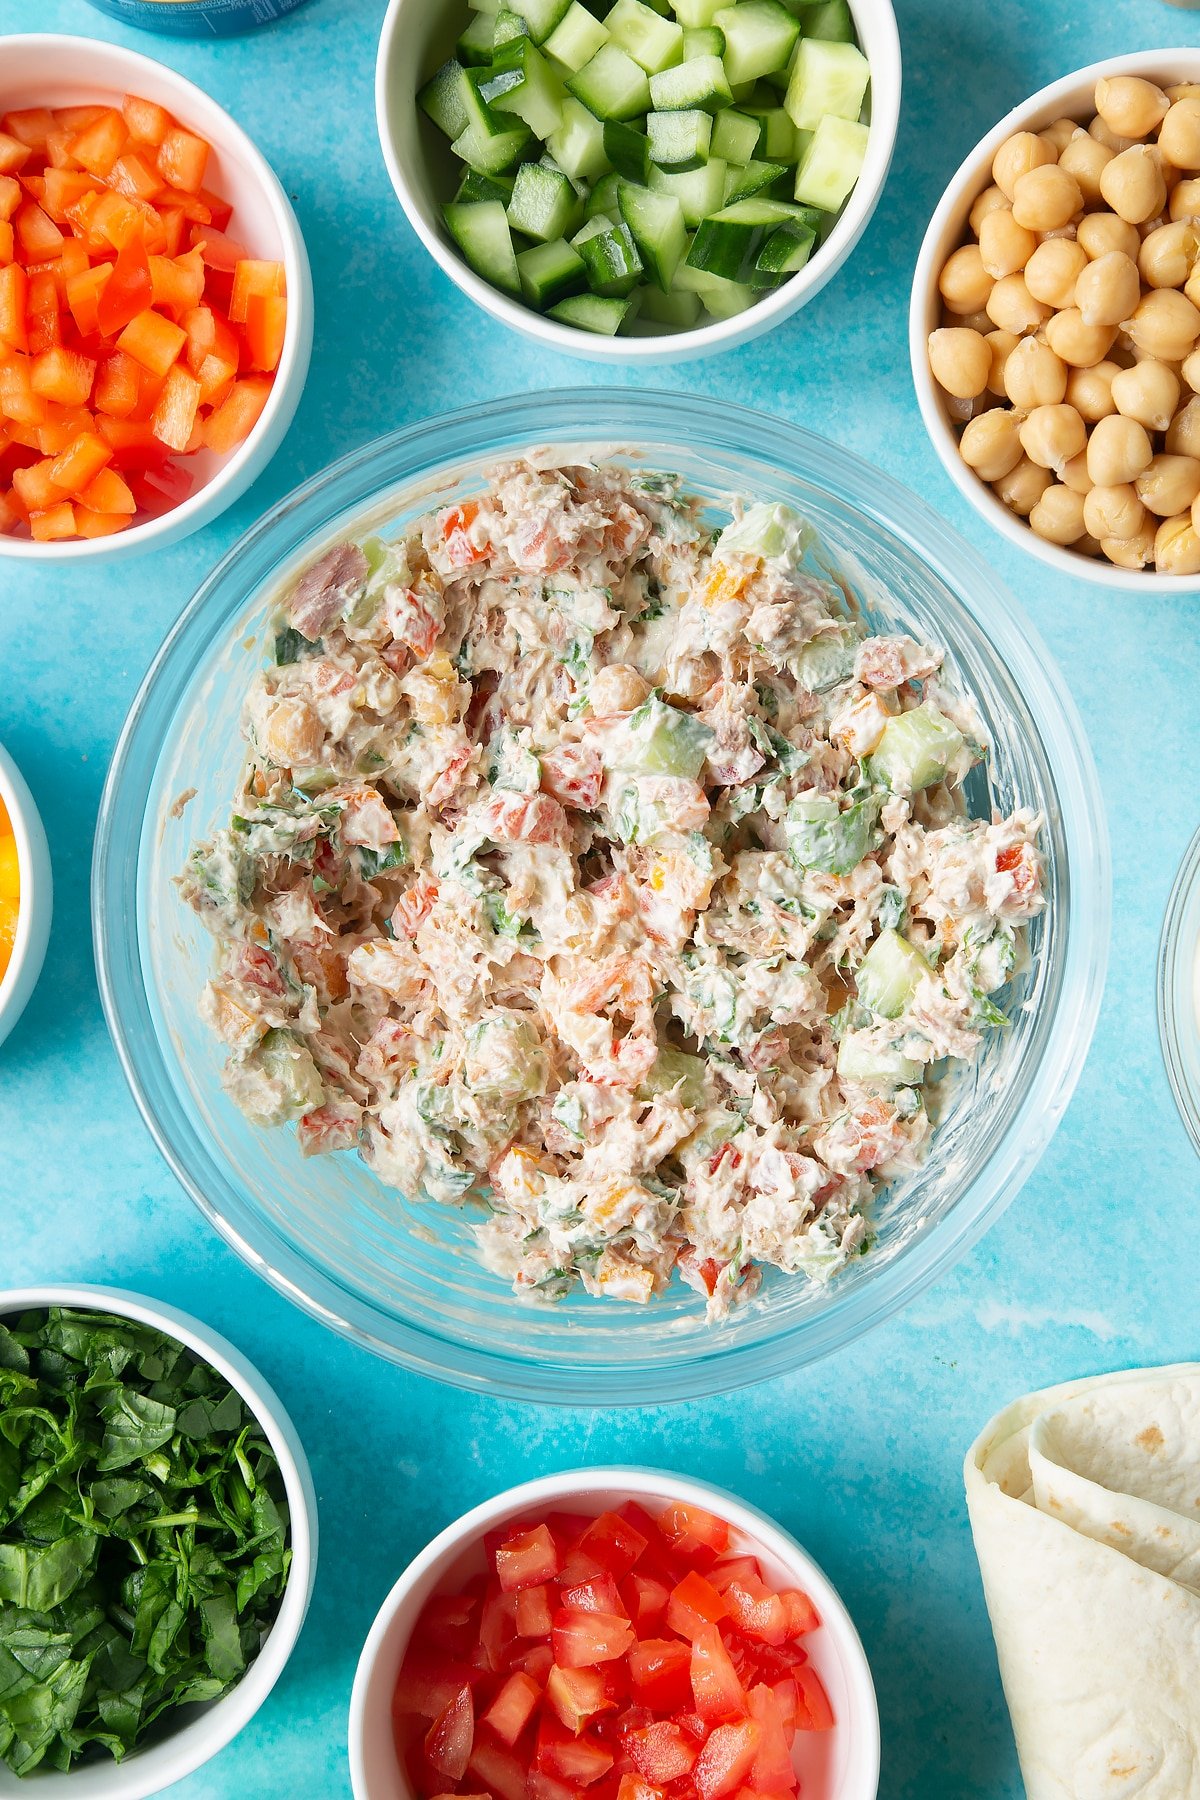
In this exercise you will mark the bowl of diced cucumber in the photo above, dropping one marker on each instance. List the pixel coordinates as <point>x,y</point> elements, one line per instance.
<point>639,180</point>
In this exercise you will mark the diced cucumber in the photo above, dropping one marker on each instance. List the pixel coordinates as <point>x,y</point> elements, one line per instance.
<point>576,39</point>
<point>675,1072</point>
<point>726,242</point>
<point>543,203</point>
<point>542,16</point>
<point>825,661</point>
<point>662,740</point>
<point>491,143</point>
<point>699,191</point>
<point>444,98</point>
<point>823,835</point>
<point>603,197</point>
<point>653,42</point>
<point>521,82</point>
<point>610,257</point>
<point>734,136</point>
<point>759,37</point>
<point>484,6</point>
<point>723,299</point>
<point>677,308</point>
<point>481,231</point>
<point>702,40</point>
<point>787,249</point>
<point>591,312</point>
<point>657,224</point>
<point>869,1065</point>
<point>612,85</point>
<point>828,19</point>
<point>827,80</point>
<point>916,750</point>
<point>776,133</point>
<point>627,149</point>
<point>695,14</point>
<point>754,178</point>
<point>700,82</point>
<point>832,163</point>
<point>889,974</point>
<point>550,271</point>
<point>678,140</point>
<point>578,144</point>
<point>474,47</point>
<point>508,28</point>
<point>475,186</point>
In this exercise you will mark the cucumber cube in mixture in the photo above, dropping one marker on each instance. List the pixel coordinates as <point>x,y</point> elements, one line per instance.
<point>653,42</point>
<point>576,39</point>
<point>702,40</point>
<point>828,19</point>
<point>474,186</point>
<point>917,749</point>
<point>759,38</point>
<point>832,163</point>
<point>889,974</point>
<point>679,140</point>
<point>693,14</point>
<point>869,1065</point>
<point>699,191</point>
<point>700,82</point>
<point>827,80</point>
<point>578,144</point>
<point>734,136</point>
<point>612,85</point>
<point>679,310</point>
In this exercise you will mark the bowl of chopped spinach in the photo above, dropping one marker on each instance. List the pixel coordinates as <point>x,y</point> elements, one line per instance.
<point>158,1543</point>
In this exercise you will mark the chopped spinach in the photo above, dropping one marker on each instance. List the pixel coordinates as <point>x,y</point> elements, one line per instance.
<point>143,1536</point>
<point>291,645</point>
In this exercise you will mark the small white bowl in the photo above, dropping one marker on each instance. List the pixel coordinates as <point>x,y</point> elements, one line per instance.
<point>151,1769</point>
<point>1072,98</point>
<point>37,895</point>
<point>842,1764</point>
<point>54,70</point>
<point>409,29</point>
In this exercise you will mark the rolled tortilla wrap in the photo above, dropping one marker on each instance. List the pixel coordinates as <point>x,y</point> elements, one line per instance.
<point>1085,1506</point>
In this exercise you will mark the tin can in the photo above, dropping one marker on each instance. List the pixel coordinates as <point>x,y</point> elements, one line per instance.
<point>196,18</point>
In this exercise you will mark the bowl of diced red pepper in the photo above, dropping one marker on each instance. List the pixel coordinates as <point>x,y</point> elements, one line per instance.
<point>155,302</point>
<point>614,1634</point>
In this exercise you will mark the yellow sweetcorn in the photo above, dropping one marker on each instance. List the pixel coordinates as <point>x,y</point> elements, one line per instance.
<point>10,890</point>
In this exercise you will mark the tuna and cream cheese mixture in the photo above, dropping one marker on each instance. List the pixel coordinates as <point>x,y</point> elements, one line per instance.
<point>604,872</point>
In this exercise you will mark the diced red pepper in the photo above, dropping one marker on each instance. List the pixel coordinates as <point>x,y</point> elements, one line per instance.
<point>14,288</point>
<point>182,160</point>
<point>128,291</point>
<point>237,416</point>
<point>62,375</point>
<point>145,121</point>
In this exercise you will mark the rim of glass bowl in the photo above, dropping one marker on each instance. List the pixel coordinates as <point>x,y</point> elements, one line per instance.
<point>991,629</point>
<point>1178,1025</point>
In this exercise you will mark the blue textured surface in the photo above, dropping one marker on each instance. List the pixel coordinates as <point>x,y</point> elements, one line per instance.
<point>861,1456</point>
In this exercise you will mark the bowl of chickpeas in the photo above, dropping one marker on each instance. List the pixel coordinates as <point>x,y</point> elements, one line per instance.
<point>1055,323</point>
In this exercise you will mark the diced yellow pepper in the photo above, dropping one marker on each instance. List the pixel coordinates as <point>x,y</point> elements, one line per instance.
<point>8,931</point>
<point>10,870</point>
<point>723,584</point>
<point>5,821</point>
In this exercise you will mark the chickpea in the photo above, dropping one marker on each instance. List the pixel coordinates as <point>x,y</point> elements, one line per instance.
<point>1059,134</point>
<point>1034,376</point>
<point>991,443</point>
<point>1129,105</point>
<point>1089,390</point>
<point>1183,90</point>
<point>1053,269</point>
<point>1016,156</point>
<point>1183,433</point>
<point>1132,184</point>
<point>1004,246</point>
<point>1185,200</point>
<point>1189,369</point>
<point>1052,435</point>
<point>1134,552</point>
<point>617,688</point>
<point>1075,474</point>
<point>1191,286</point>
<point>1113,512</point>
<point>1023,486</point>
<point>1012,307</point>
<point>1099,233</point>
<point>1001,345</point>
<point>976,321</point>
<point>1058,515</point>
<point>1045,198</point>
<point>1179,135</point>
<point>1108,290</point>
<point>964,283</point>
<point>1177,547</point>
<point>1112,140</point>
<point>962,410</point>
<point>1087,545</point>
<point>292,734</point>
<point>1118,450</point>
<point>961,362</point>
<point>1078,343</point>
<point>1148,392</point>
<point>991,198</point>
<point>1084,159</point>
<point>1165,325</point>
<point>1169,484</point>
<point>1167,254</point>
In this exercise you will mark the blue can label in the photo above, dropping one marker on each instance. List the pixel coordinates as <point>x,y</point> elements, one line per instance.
<point>196,18</point>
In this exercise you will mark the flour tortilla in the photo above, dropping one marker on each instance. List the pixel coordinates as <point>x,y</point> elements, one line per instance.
<point>1085,1505</point>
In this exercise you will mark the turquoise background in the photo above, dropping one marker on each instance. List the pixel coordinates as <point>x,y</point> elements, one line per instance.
<point>860,1456</point>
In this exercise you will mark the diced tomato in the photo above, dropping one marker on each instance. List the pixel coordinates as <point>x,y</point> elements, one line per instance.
<point>816,1714</point>
<point>449,1739</point>
<point>133,176</point>
<point>177,282</point>
<point>660,1674</point>
<point>597,1594</point>
<point>537,1661</point>
<point>513,1707</point>
<point>456,524</point>
<point>428,1684</point>
<point>582,1639</point>
<point>83,297</point>
<point>715,1686</point>
<point>497,1629</point>
<point>773,1772</point>
<point>577,1695</point>
<point>528,1560</point>
<point>733,1568</point>
<point>217,250</point>
<point>726,1759</point>
<point>567,1757</point>
<point>63,376</point>
<point>449,1621</point>
<point>756,1610</point>
<point>574,774</point>
<point>533,1612</point>
<point>500,1771</point>
<point>693,1531</point>
<point>802,1615</point>
<point>662,1752</point>
<point>645,1600</point>
<point>152,341</point>
<point>694,1604</point>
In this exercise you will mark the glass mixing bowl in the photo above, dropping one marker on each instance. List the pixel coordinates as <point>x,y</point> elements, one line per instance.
<point>401,1277</point>
<point>1179,990</point>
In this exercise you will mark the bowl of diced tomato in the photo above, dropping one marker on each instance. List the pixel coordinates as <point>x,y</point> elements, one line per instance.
<point>155,302</point>
<point>614,1634</point>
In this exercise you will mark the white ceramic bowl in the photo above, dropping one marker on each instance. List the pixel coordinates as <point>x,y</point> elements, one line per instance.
<point>53,70</point>
<point>1072,97</point>
<point>33,916</point>
<point>839,1765</point>
<point>418,33</point>
<point>151,1769</point>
